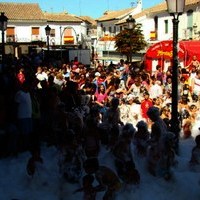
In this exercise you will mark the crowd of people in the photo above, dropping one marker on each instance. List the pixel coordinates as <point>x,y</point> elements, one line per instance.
<point>81,109</point>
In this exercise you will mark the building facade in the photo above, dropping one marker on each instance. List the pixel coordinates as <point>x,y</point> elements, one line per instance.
<point>156,24</point>
<point>25,31</point>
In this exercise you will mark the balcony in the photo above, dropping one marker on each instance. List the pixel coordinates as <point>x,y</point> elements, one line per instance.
<point>153,35</point>
<point>35,38</point>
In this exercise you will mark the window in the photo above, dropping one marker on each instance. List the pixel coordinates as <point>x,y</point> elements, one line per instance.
<point>156,23</point>
<point>190,18</point>
<point>189,23</point>
<point>88,31</point>
<point>52,33</point>
<point>35,30</point>
<point>10,34</point>
<point>68,37</point>
<point>114,30</point>
<point>110,29</point>
<point>166,26</point>
<point>10,31</point>
<point>156,26</point>
<point>104,30</point>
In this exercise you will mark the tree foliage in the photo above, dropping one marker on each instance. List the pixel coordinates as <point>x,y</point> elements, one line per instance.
<point>130,41</point>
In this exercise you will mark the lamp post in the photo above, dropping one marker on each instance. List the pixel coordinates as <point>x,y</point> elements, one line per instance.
<point>175,8</point>
<point>130,22</point>
<point>47,31</point>
<point>3,27</point>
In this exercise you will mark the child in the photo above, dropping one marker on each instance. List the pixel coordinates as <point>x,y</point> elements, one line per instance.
<point>195,157</point>
<point>34,161</point>
<point>160,153</point>
<point>146,103</point>
<point>141,137</point>
<point>107,180</point>
<point>193,112</point>
<point>123,157</point>
<point>70,158</point>
<point>194,163</point>
<point>87,189</point>
<point>187,128</point>
<point>112,119</point>
<point>91,135</point>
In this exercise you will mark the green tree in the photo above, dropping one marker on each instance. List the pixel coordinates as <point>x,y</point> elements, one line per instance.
<point>130,41</point>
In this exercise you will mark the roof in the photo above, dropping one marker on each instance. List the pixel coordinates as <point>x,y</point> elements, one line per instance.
<point>189,2</point>
<point>61,17</point>
<point>22,11</point>
<point>110,15</point>
<point>162,7</point>
<point>89,20</point>
<point>156,9</point>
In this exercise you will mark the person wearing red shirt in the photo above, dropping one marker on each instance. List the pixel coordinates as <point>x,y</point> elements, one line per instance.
<point>21,76</point>
<point>146,103</point>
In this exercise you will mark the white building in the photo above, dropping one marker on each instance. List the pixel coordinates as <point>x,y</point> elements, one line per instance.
<point>156,24</point>
<point>108,26</point>
<point>26,29</point>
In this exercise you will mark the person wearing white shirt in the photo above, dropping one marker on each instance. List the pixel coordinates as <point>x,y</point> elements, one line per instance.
<point>24,113</point>
<point>41,76</point>
<point>155,89</point>
<point>134,111</point>
<point>134,89</point>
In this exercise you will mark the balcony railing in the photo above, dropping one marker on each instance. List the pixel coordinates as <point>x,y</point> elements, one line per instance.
<point>35,37</point>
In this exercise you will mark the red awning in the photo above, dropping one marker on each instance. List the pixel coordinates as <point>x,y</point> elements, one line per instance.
<point>163,50</point>
<point>191,48</point>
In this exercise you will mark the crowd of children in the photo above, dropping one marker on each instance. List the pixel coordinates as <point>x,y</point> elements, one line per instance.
<point>79,110</point>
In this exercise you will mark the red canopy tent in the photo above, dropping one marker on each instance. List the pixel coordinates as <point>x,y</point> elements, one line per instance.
<point>161,53</point>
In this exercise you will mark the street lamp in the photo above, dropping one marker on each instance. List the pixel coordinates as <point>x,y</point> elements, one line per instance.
<point>175,8</point>
<point>130,22</point>
<point>3,27</point>
<point>48,30</point>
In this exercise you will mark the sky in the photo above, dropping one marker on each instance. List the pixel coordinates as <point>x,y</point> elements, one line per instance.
<point>47,184</point>
<point>92,8</point>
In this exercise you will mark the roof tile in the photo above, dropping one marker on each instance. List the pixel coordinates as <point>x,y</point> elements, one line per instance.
<point>110,15</point>
<point>156,9</point>
<point>61,17</point>
<point>89,20</point>
<point>162,7</point>
<point>22,11</point>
